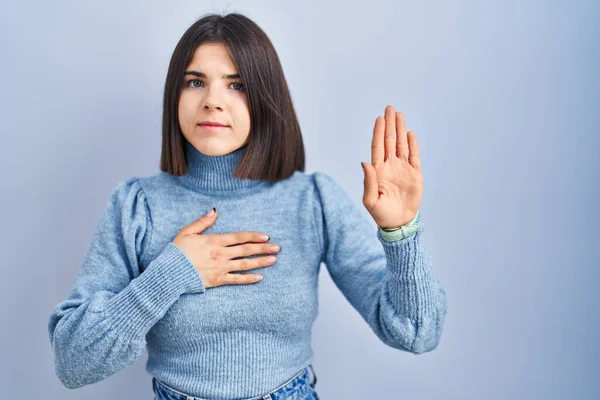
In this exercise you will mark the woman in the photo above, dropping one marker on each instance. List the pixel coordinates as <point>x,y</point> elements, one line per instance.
<point>189,288</point>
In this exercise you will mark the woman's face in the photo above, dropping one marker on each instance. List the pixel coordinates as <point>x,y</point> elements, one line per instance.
<point>213,91</point>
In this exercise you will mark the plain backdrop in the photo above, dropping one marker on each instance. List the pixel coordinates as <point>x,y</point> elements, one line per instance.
<point>502,95</point>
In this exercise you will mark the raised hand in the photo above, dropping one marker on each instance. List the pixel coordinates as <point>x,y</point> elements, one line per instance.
<point>393,180</point>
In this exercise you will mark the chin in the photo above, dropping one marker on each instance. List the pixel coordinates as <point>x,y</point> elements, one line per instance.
<point>215,148</point>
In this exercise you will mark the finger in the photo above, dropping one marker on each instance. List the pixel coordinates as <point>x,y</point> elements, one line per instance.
<point>402,150</point>
<point>200,225</point>
<point>377,146</point>
<point>414,153</point>
<point>235,238</point>
<point>240,279</point>
<point>246,264</point>
<point>390,132</point>
<point>371,189</point>
<point>250,249</point>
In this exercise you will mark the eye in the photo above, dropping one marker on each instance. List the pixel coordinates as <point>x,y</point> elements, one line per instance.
<point>191,81</point>
<point>240,86</point>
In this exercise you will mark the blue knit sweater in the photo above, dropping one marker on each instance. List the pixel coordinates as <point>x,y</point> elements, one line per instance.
<point>136,289</point>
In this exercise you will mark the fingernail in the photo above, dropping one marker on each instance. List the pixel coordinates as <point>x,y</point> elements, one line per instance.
<point>211,212</point>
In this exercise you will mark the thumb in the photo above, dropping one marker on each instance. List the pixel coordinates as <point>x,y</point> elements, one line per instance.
<point>199,225</point>
<point>371,193</point>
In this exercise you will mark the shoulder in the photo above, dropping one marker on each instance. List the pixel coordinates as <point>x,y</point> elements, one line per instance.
<point>150,191</point>
<point>328,189</point>
<point>126,188</point>
<point>328,196</point>
<point>141,191</point>
<point>316,179</point>
<point>298,182</point>
<point>160,181</point>
<point>127,199</point>
<point>148,187</point>
<point>320,184</point>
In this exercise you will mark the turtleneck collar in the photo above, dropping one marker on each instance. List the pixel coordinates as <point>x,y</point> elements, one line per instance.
<point>215,173</point>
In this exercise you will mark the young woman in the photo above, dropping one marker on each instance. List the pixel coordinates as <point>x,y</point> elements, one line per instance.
<point>224,303</point>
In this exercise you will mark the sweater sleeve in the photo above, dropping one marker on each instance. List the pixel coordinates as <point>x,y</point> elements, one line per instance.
<point>100,327</point>
<point>390,284</point>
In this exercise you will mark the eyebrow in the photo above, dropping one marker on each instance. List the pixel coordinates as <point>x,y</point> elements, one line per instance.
<point>202,75</point>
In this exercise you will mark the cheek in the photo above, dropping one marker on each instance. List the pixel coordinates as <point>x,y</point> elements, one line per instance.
<point>242,114</point>
<point>185,109</point>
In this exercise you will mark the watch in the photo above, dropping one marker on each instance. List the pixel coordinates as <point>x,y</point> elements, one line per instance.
<point>392,234</point>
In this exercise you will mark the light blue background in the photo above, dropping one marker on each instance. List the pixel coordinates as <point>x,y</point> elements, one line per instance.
<point>504,99</point>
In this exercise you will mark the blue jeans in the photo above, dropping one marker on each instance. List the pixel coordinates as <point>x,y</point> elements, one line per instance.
<point>300,387</point>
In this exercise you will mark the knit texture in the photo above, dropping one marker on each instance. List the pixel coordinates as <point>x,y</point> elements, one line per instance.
<point>136,289</point>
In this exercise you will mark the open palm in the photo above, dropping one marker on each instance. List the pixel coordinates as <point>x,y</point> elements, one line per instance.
<point>393,179</point>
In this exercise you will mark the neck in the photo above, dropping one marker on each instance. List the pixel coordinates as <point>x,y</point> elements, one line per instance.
<point>215,173</point>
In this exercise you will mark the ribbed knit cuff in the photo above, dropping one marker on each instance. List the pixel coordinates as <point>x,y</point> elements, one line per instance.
<point>134,310</point>
<point>411,276</point>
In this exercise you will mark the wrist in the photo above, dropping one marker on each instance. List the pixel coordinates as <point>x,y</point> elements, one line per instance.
<point>410,223</point>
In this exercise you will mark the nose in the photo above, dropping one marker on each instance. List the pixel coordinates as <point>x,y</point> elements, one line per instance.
<point>213,101</point>
<point>212,106</point>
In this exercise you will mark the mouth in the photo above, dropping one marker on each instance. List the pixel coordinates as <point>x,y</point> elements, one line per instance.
<point>212,126</point>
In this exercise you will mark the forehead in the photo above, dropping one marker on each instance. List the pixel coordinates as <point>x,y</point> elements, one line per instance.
<point>212,57</point>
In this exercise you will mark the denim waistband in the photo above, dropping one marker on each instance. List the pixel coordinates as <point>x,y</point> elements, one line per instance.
<point>294,386</point>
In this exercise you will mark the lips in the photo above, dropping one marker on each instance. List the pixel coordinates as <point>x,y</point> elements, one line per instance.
<point>212,123</point>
